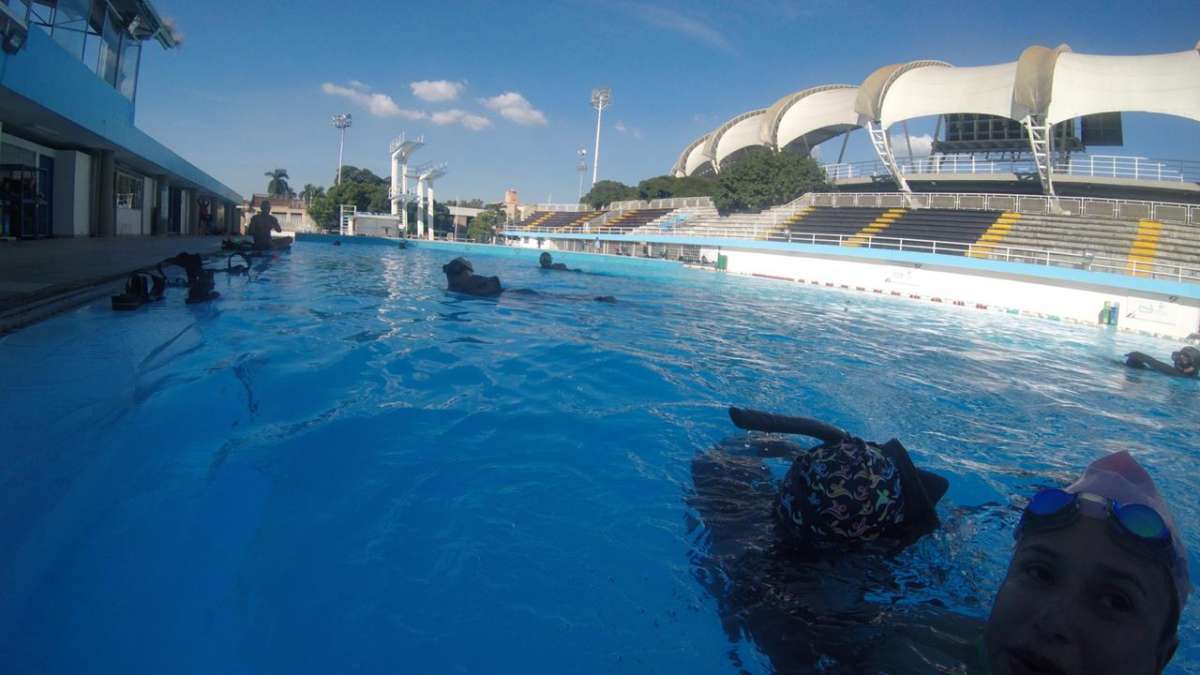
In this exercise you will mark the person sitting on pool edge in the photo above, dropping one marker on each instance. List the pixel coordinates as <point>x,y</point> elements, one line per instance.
<point>261,226</point>
<point>1097,581</point>
<point>1185,362</point>
<point>546,262</point>
<point>461,278</point>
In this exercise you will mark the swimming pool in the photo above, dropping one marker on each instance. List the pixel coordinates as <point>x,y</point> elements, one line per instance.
<point>339,467</point>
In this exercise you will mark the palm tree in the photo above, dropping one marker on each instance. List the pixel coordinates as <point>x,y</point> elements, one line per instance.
<point>278,186</point>
<point>311,192</point>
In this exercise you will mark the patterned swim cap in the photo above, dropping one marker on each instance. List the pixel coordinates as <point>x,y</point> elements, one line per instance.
<point>850,492</point>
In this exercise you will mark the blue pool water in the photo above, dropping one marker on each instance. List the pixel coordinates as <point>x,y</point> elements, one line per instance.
<point>340,467</point>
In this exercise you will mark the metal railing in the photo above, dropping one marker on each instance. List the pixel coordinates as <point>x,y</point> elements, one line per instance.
<point>1091,166</point>
<point>1088,207</point>
<point>1015,254</point>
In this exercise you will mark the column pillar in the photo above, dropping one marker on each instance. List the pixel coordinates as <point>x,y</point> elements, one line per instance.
<point>429,206</point>
<point>420,207</point>
<point>106,195</point>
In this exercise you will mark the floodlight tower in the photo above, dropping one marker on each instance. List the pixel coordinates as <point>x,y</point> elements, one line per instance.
<point>341,122</point>
<point>601,97</point>
<point>428,177</point>
<point>402,148</point>
<point>581,167</point>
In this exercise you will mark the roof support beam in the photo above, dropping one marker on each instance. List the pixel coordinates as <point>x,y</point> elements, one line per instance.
<point>883,149</point>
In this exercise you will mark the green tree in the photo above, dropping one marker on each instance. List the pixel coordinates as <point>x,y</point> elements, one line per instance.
<point>311,192</point>
<point>485,226</point>
<point>609,191</point>
<point>360,187</point>
<point>665,187</point>
<point>278,185</point>
<point>763,178</point>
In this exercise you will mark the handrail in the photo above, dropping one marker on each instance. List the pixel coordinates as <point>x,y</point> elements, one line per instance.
<point>1047,257</point>
<point>1091,166</point>
<point>1091,207</point>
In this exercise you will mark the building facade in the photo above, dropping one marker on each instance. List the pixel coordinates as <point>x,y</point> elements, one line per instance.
<point>72,161</point>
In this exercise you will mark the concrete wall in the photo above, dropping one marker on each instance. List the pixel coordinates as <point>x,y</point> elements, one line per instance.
<point>1156,316</point>
<point>72,194</point>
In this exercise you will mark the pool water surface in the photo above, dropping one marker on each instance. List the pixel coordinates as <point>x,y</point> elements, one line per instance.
<point>340,467</point>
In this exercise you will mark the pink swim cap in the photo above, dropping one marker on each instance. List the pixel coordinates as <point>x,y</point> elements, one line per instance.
<point>1118,476</point>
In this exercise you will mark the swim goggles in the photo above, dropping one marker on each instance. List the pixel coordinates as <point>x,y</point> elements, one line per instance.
<point>1136,525</point>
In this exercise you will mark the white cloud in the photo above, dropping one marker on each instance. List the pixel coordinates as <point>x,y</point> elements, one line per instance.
<point>632,131</point>
<point>922,145</point>
<point>359,84</point>
<point>687,26</point>
<point>380,105</point>
<point>513,106</point>
<point>456,116</point>
<point>437,90</point>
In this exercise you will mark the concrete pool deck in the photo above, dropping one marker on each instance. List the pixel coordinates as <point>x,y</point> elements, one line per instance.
<point>43,277</point>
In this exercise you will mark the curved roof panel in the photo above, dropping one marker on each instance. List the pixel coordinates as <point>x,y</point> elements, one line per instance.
<point>924,92</point>
<point>828,109</point>
<point>1085,84</point>
<point>694,148</point>
<point>871,92</point>
<point>739,132</point>
<point>1035,80</point>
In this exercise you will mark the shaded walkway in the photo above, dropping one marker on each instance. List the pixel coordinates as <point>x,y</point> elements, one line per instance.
<point>40,278</point>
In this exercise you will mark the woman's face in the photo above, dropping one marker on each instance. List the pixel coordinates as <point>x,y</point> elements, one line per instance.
<point>1075,601</point>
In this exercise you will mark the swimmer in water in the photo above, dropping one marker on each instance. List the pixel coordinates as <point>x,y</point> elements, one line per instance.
<point>1097,580</point>
<point>461,278</point>
<point>1096,583</point>
<point>790,562</point>
<point>1184,362</point>
<point>547,263</point>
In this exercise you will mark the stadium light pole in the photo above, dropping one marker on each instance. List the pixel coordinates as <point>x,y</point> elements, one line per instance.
<point>601,97</point>
<point>581,167</point>
<point>341,122</point>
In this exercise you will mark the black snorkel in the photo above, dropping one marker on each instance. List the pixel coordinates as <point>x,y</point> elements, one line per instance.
<point>757,420</point>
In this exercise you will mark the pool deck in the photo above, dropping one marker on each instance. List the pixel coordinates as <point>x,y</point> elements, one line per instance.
<point>41,278</point>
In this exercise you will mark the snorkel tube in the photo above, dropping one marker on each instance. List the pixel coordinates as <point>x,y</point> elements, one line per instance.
<point>757,420</point>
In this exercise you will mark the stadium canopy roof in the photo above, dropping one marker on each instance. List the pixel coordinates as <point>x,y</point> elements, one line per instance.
<point>736,134</point>
<point>810,116</point>
<point>1043,86</point>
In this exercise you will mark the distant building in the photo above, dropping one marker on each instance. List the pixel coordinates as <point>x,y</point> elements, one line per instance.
<point>72,161</point>
<point>291,213</point>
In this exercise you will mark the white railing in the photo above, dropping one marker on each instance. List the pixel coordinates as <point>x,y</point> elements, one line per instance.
<point>1089,207</point>
<point>1016,254</point>
<point>668,203</point>
<point>1091,166</point>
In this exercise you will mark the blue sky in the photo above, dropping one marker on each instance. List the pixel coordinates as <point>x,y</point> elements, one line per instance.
<point>506,85</point>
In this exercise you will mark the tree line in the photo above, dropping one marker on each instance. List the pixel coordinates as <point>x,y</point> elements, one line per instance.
<point>759,180</point>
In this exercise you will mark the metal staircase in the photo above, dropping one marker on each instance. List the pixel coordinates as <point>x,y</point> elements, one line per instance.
<point>883,149</point>
<point>1042,146</point>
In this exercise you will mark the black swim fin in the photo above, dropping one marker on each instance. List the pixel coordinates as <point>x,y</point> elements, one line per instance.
<point>756,420</point>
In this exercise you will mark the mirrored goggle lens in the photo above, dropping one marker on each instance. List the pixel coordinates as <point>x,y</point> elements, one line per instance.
<point>1050,501</point>
<point>1143,521</point>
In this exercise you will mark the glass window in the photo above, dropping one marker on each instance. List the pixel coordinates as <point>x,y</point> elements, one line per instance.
<point>110,49</point>
<point>131,51</point>
<point>70,25</point>
<point>41,11</point>
<point>129,190</point>
<point>12,154</point>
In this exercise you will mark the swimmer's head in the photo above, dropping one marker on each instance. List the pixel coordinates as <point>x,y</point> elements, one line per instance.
<point>265,206</point>
<point>1188,357</point>
<point>854,494</point>
<point>457,268</point>
<point>1097,580</point>
<point>545,260</point>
